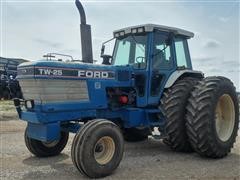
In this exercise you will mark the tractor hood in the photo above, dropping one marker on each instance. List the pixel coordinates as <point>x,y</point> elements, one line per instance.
<point>55,85</point>
<point>63,70</point>
<point>69,70</point>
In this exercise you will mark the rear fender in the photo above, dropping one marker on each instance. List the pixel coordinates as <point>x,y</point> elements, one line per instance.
<point>182,73</point>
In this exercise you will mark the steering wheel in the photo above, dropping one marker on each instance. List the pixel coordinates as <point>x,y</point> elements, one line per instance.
<point>141,59</point>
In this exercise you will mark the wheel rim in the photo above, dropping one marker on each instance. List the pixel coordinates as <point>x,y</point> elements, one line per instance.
<point>50,144</point>
<point>225,117</point>
<point>104,150</point>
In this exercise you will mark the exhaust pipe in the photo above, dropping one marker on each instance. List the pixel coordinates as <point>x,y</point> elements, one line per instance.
<point>86,37</point>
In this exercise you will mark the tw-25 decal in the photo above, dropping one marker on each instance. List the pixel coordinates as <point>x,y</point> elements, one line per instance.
<point>65,73</point>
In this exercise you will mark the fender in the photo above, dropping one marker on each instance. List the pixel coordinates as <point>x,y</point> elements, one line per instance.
<point>179,73</point>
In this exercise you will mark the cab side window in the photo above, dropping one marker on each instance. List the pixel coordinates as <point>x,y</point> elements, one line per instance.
<point>161,52</point>
<point>140,56</point>
<point>181,53</point>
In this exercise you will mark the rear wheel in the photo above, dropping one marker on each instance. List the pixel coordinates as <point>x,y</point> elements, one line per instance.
<point>213,117</point>
<point>97,148</point>
<point>45,149</point>
<point>135,134</point>
<point>173,105</point>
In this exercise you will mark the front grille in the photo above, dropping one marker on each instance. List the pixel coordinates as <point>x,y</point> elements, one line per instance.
<point>54,90</point>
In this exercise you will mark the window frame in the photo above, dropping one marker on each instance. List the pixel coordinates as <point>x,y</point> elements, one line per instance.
<point>186,51</point>
<point>146,51</point>
<point>116,45</point>
<point>172,54</point>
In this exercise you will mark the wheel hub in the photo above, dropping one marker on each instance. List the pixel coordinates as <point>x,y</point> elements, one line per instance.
<point>99,148</point>
<point>104,150</point>
<point>224,117</point>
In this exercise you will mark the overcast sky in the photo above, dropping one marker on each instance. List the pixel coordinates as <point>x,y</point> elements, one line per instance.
<point>30,29</point>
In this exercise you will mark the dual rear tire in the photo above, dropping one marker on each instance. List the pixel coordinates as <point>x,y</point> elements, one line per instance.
<point>202,116</point>
<point>213,117</point>
<point>173,106</point>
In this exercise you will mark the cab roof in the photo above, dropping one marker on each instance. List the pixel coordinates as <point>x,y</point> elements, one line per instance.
<point>151,28</point>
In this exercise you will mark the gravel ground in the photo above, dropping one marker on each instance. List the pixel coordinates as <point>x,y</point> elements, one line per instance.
<point>150,159</point>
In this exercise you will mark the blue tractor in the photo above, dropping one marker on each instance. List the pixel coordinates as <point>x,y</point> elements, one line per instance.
<point>147,83</point>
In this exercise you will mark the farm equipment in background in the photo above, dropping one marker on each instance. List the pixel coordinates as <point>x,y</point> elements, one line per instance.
<point>147,83</point>
<point>9,86</point>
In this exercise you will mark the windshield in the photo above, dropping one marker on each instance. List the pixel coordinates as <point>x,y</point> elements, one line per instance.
<point>131,50</point>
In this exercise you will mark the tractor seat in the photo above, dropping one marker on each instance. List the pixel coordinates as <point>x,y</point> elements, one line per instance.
<point>159,59</point>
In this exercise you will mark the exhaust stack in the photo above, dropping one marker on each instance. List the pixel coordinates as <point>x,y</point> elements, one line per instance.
<point>86,37</point>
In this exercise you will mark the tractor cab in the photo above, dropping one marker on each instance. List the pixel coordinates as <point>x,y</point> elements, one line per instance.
<point>156,45</point>
<point>154,53</point>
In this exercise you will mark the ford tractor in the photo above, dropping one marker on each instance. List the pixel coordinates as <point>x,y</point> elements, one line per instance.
<point>146,84</point>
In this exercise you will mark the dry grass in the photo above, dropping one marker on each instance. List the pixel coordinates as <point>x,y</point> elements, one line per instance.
<point>7,111</point>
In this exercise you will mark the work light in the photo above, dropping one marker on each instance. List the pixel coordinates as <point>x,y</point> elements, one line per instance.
<point>29,104</point>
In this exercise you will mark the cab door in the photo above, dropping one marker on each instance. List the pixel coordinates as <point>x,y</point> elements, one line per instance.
<point>162,65</point>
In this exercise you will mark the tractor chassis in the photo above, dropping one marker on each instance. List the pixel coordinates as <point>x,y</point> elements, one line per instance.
<point>47,126</point>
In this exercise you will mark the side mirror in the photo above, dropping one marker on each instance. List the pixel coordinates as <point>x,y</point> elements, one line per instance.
<point>106,59</point>
<point>102,50</point>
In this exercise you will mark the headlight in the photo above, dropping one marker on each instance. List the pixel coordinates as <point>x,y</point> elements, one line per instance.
<point>138,30</point>
<point>118,34</point>
<point>29,104</point>
<point>134,31</point>
<point>122,33</point>
<point>141,30</point>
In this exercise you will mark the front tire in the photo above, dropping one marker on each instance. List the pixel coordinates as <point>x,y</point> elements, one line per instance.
<point>45,149</point>
<point>213,117</point>
<point>97,148</point>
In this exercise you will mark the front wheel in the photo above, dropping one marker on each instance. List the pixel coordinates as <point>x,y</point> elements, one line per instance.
<point>97,148</point>
<point>45,149</point>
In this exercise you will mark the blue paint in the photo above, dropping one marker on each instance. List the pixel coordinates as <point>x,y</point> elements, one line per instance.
<point>46,121</point>
<point>44,132</point>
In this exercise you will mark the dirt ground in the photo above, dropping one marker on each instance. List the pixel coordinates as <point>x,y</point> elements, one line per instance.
<point>150,159</point>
